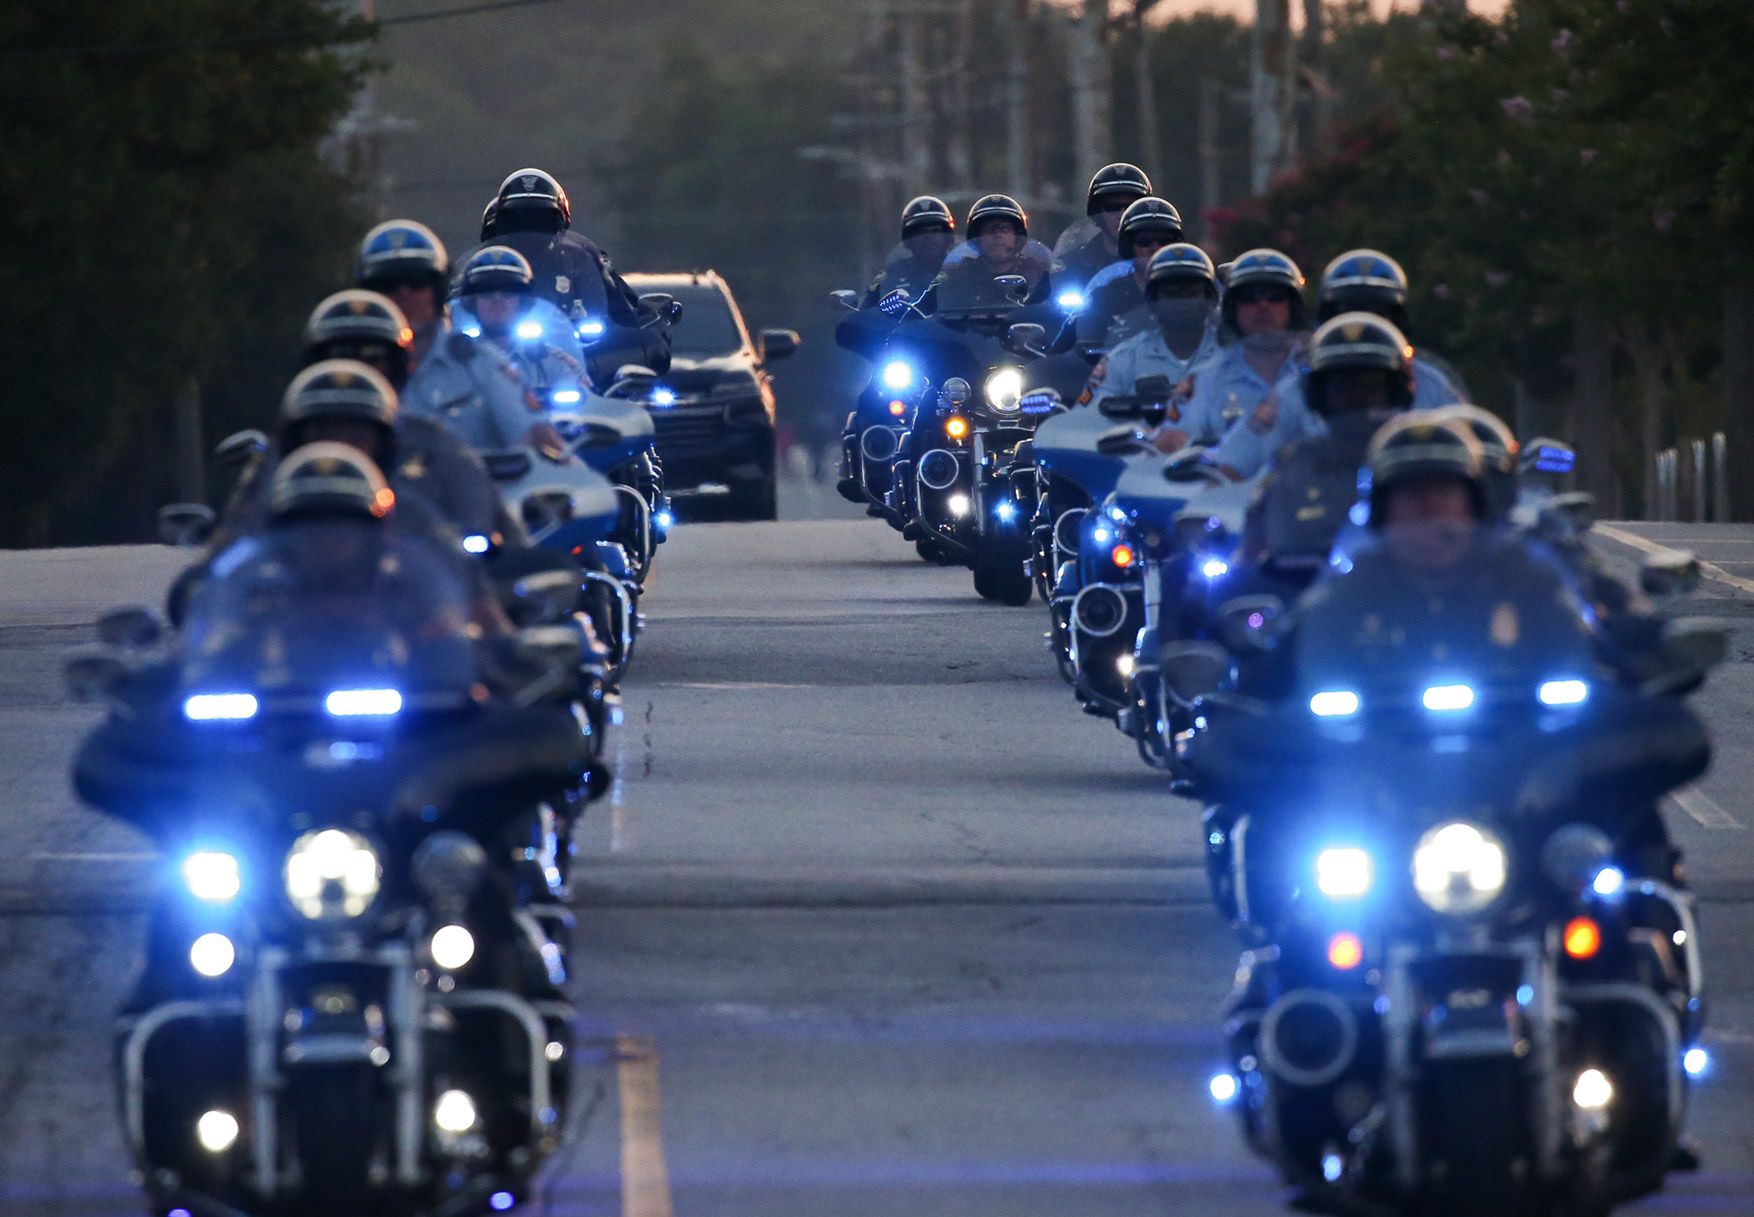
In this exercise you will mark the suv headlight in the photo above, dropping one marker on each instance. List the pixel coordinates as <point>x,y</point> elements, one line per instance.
<point>1004,390</point>
<point>1459,868</point>
<point>332,875</point>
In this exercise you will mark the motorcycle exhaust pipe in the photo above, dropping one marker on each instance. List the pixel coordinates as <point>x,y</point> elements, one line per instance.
<point>1309,1038</point>
<point>939,469</point>
<point>880,444</point>
<point>1099,610</point>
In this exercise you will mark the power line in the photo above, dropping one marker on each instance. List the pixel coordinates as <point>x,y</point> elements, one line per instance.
<point>262,38</point>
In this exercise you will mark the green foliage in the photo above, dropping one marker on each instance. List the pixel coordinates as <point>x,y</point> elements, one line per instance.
<point>159,168</point>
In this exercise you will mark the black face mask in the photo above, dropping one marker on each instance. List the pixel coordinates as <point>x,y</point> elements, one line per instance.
<point>1181,313</point>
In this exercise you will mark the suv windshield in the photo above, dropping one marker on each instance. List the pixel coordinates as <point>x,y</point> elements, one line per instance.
<point>708,327</point>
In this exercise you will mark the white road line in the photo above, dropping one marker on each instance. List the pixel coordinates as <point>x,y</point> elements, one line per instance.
<point>1707,569</point>
<point>723,685</point>
<point>1696,803</point>
<point>645,1179</point>
<point>95,857</point>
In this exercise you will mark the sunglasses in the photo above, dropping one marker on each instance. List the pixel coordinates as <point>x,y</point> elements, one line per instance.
<point>1150,241</point>
<point>1261,295</point>
<point>385,284</point>
<point>1110,206</point>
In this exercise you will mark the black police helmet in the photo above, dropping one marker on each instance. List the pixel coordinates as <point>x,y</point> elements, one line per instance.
<point>330,480</point>
<point>1264,268</point>
<point>1416,446</point>
<point>1498,450</point>
<point>339,388</point>
<point>1358,342</point>
<point>497,268</point>
<point>1149,215</point>
<point>1180,263</point>
<point>1364,280</point>
<point>531,200</point>
<point>991,207</point>
<point>355,323</point>
<point>926,213</point>
<point>1117,181</point>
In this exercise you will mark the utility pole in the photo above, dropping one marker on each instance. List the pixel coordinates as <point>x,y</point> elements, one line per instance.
<point>1211,96</point>
<point>1087,61</point>
<point>1017,25</point>
<point>915,153</point>
<point>1145,90</point>
<point>1314,76</point>
<point>1271,93</point>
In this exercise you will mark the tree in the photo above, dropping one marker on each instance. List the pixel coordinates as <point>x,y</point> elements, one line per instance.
<point>160,166</point>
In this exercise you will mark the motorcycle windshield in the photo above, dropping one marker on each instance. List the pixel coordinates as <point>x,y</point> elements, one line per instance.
<point>315,607</point>
<point>914,262</point>
<point>1448,624</point>
<point>967,285</point>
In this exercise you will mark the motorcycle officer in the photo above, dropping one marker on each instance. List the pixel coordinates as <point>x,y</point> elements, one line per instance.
<point>1114,306</point>
<point>998,244</point>
<point>495,285</point>
<point>928,230</point>
<point>1262,322</point>
<point>1088,248</point>
<point>1182,289</point>
<point>531,214</point>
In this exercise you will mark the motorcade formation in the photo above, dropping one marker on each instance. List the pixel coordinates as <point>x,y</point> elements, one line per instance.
<point>1342,608</point>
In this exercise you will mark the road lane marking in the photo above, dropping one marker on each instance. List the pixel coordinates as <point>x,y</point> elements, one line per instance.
<point>1703,808</point>
<point>722,685</point>
<point>645,1180</point>
<point>1708,569</point>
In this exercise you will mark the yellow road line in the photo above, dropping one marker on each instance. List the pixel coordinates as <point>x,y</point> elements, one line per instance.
<point>645,1180</point>
<point>1710,571</point>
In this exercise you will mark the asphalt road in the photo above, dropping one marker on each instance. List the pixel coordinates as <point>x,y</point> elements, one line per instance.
<point>873,921</point>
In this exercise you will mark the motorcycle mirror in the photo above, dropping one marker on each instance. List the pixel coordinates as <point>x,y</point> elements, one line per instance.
<point>1670,573</point>
<point>1026,337</point>
<point>1690,649</point>
<point>1246,623</point>
<point>1194,669</point>
<point>1571,513</point>
<point>1015,287</point>
<point>1193,464</point>
<point>93,677</point>
<point>240,448</point>
<point>509,464</point>
<point>845,298</point>
<point>133,627</point>
<point>956,392</point>
<point>185,524</point>
<point>777,344</point>
<point>1122,441</point>
<point>1152,388</point>
<point>666,306</point>
<point>547,597</point>
<point>596,780</point>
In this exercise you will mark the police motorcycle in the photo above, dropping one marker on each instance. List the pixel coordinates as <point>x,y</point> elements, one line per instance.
<point>347,1005</point>
<point>953,483</point>
<point>1467,989</point>
<point>1473,983</point>
<point>928,229</point>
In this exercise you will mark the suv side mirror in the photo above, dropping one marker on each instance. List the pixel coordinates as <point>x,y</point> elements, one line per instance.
<point>1671,573</point>
<point>240,448</point>
<point>845,298</point>
<point>185,524</point>
<point>777,344</point>
<point>1027,338</point>
<point>133,627</point>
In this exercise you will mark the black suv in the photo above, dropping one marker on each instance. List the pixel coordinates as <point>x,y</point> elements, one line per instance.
<point>714,409</point>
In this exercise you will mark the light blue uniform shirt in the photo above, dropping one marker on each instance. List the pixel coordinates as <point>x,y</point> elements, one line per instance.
<point>1247,451</point>
<point>1226,388</point>
<point>1147,354</point>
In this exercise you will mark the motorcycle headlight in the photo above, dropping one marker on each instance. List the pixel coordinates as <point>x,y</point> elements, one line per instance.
<point>1344,873</point>
<point>1004,390</point>
<point>1458,868</point>
<point>212,875</point>
<point>332,875</point>
<point>898,374</point>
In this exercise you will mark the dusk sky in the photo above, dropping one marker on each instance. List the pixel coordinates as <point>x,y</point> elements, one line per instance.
<point>1247,7</point>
